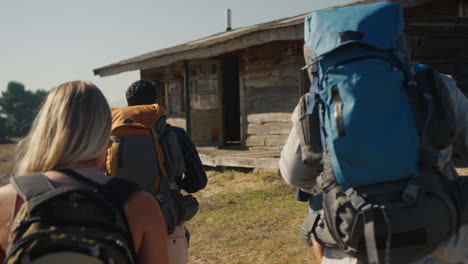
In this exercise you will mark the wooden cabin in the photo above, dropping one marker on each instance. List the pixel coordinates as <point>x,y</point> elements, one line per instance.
<point>237,89</point>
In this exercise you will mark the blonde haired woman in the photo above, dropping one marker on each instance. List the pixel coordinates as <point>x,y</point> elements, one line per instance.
<point>72,131</point>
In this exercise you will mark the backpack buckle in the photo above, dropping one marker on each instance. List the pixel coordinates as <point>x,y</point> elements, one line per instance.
<point>410,194</point>
<point>356,200</point>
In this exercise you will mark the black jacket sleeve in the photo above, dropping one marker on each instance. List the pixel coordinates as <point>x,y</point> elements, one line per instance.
<point>194,178</point>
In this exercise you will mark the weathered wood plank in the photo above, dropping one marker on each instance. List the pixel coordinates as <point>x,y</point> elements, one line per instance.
<point>267,72</point>
<point>274,49</point>
<point>441,41</point>
<point>277,128</point>
<point>435,53</point>
<point>244,162</point>
<point>271,56</point>
<point>274,102</point>
<point>278,148</point>
<point>239,158</point>
<point>289,88</point>
<point>238,153</point>
<point>270,140</point>
<point>269,118</point>
<point>273,81</point>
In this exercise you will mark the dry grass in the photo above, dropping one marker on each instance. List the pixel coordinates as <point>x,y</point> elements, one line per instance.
<point>7,155</point>
<point>247,218</point>
<point>243,218</point>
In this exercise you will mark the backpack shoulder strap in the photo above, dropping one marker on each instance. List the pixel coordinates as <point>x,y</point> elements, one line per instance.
<point>160,124</point>
<point>78,177</point>
<point>119,190</point>
<point>31,185</point>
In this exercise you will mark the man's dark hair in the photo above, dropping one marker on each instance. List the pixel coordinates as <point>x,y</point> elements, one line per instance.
<point>141,92</point>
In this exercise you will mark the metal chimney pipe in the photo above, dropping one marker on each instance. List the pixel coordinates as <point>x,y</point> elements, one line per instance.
<point>228,19</point>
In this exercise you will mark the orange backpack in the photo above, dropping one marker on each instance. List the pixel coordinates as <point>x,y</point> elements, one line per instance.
<point>135,152</point>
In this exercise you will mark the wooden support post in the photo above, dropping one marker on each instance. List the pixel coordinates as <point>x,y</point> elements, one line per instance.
<point>187,95</point>
<point>242,106</point>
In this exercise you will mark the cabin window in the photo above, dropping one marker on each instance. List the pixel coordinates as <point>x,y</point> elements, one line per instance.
<point>204,86</point>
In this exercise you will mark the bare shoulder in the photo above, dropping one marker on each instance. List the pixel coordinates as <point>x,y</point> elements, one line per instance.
<point>142,204</point>
<point>7,195</point>
<point>148,228</point>
<point>7,202</point>
<point>144,214</point>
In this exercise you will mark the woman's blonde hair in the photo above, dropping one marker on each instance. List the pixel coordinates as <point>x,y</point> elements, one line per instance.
<point>72,125</point>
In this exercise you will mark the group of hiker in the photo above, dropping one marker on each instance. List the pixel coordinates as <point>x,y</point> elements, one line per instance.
<point>95,185</point>
<point>370,151</point>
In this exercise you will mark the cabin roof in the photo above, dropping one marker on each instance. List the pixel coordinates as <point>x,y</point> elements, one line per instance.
<point>290,28</point>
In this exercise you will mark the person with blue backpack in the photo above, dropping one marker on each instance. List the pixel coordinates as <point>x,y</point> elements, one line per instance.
<point>372,141</point>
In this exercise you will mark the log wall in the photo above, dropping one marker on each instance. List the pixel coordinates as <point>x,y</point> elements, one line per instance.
<point>438,37</point>
<point>270,88</point>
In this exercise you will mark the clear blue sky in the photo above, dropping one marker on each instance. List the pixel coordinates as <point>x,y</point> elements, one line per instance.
<point>45,43</point>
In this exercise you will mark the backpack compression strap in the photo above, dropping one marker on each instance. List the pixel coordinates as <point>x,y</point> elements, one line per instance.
<point>31,185</point>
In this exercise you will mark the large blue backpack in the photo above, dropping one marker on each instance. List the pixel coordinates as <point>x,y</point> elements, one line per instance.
<point>380,136</point>
<point>367,115</point>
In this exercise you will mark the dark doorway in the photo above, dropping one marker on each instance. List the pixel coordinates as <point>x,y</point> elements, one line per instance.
<point>231,103</point>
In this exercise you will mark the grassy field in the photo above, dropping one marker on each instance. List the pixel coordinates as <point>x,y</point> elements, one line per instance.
<point>247,218</point>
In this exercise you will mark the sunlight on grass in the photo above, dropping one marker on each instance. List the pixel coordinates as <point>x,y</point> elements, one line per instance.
<point>244,217</point>
<point>254,221</point>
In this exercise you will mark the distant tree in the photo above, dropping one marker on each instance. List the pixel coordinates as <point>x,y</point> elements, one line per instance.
<point>3,128</point>
<point>20,107</point>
